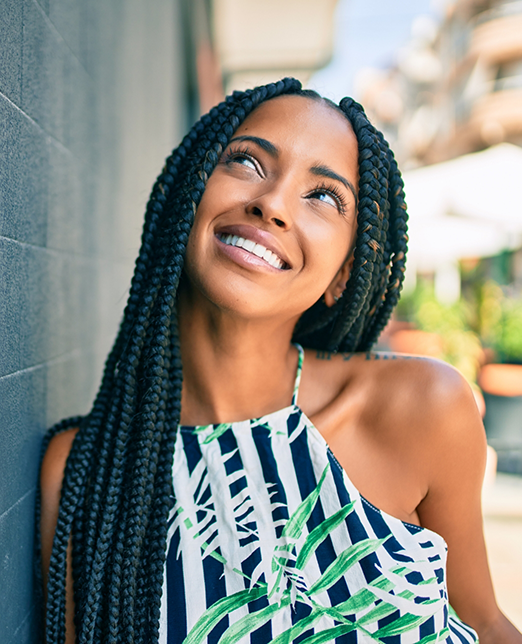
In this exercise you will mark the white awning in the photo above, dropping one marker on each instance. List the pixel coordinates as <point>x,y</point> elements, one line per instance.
<point>470,206</point>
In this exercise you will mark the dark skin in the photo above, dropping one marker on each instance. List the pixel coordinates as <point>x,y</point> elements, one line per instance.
<point>406,431</point>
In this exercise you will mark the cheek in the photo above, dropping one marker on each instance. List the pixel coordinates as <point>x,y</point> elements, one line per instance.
<point>328,245</point>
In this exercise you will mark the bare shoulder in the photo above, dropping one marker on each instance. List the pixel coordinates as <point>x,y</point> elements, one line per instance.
<point>51,477</point>
<point>55,458</point>
<point>425,393</point>
<point>395,394</point>
<point>405,429</point>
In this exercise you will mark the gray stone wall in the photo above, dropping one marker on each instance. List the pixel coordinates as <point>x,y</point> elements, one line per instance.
<point>92,99</point>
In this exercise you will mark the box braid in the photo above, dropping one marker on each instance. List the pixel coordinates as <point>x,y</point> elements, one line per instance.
<point>117,487</point>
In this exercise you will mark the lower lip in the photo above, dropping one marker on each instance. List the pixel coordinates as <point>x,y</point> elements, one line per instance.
<point>244,258</point>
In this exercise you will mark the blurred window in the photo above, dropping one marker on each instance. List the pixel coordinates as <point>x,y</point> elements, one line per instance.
<point>509,75</point>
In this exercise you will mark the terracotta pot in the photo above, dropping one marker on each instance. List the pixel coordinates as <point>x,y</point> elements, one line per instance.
<point>416,342</point>
<point>502,387</point>
<point>501,379</point>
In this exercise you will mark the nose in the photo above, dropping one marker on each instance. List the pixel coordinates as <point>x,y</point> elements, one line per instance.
<point>273,205</point>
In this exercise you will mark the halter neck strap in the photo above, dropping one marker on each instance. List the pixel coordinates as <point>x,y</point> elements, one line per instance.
<point>298,374</point>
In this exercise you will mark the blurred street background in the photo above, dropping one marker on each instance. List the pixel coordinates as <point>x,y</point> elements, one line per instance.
<point>95,94</point>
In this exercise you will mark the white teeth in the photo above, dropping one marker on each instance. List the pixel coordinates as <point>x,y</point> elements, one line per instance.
<point>256,249</point>
<point>249,245</point>
<point>259,250</point>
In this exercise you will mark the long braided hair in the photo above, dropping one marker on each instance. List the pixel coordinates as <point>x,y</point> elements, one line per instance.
<point>117,488</point>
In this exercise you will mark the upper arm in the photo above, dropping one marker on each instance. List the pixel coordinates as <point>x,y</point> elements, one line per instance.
<point>51,477</point>
<point>452,506</point>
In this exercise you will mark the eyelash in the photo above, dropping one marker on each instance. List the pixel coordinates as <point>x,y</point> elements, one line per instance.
<point>330,188</point>
<point>334,192</point>
<point>243,152</point>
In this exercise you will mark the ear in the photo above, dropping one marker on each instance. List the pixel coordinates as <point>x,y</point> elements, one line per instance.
<point>338,284</point>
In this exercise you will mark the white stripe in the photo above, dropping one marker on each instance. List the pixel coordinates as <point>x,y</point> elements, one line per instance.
<point>163,628</point>
<point>282,451</point>
<point>193,575</point>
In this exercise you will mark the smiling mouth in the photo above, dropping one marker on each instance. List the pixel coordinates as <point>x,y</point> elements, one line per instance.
<point>255,249</point>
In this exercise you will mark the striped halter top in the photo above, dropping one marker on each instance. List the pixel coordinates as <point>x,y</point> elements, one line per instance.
<point>269,541</point>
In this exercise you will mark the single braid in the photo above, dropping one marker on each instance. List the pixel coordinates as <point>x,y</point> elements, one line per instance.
<point>117,490</point>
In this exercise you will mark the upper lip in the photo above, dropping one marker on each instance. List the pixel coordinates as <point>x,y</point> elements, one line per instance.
<point>258,236</point>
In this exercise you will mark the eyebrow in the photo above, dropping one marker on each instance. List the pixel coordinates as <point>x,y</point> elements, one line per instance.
<point>262,143</point>
<point>325,171</point>
<point>319,170</point>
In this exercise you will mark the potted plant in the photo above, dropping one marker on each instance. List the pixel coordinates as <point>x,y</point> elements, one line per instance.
<point>501,377</point>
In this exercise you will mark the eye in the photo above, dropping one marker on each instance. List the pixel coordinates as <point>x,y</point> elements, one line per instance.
<point>329,194</point>
<point>243,159</point>
<point>241,156</point>
<point>322,195</point>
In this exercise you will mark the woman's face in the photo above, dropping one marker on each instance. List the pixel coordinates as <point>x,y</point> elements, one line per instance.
<point>277,220</point>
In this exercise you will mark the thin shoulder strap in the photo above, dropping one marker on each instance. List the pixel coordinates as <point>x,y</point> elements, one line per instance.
<point>298,374</point>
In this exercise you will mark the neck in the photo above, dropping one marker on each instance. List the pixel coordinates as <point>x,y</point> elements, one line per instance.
<point>233,369</point>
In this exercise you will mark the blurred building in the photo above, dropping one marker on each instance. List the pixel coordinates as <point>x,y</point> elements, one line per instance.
<point>456,87</point>
<point>259,42</point>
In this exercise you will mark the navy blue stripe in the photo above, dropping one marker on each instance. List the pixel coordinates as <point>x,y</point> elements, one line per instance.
<point>307,483</point>
<point>385,621</point>
<point>203,498</point>
<point>427,628</point>
<point>176,606</point>
<point>456,634</point>
<point>348,638</point>
<point>299,612</point>
<point>234,463</point>
<point>369,565</point>
<point>192,449</point>
<point>264,633</point>
<point>215,589</point>
<point>382,530</point>
<point>292,422</point>
<point>263,443</point>
<point>456,626</point>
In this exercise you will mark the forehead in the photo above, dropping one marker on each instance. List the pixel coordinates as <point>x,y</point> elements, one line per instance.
<point>310,128</point>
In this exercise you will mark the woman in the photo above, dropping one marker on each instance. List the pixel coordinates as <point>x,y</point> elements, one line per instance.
<point>225,485</point>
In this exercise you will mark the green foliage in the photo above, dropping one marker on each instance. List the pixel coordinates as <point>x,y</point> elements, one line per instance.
<point>490,317</point>
<point>501,322</point>
<point>461,346</point>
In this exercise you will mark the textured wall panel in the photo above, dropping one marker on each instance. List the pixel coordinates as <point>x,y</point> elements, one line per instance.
<point>92,100</point>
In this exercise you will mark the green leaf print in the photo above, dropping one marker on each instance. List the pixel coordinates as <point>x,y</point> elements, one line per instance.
<point>404,624</point>
<point>383,583</point>
<point>435,637</point>
<point>426,582</point>
<point>218,431</point>
<point>253,621</point>
<point>377,613</point>
<point>329,634</point>
<point>295,524</point>
<point>302,625</point>
<point>217,611</point>
<point>344,561</point>
<point>362,599</point>
<point>319,534</point>
<point>275,582</point>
